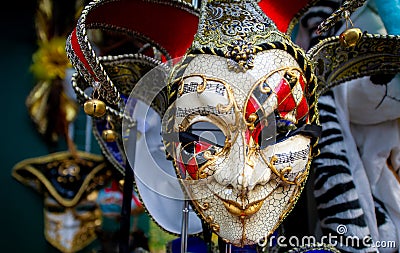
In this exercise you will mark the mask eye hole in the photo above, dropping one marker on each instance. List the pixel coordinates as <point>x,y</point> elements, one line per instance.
<point>267,135</point>
<point>284,127</point>
<point>86,207</point>
<point>54,208</point>
<point>208,132</point>
<point>203,132</point>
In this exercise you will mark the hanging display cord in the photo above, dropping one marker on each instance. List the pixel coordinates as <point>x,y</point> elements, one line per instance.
<point>126,210</point>
<point>207,234</point>
<point>127,193</point>
<point>88,134</point>
<point>184,230</point>
<point>228,248</point>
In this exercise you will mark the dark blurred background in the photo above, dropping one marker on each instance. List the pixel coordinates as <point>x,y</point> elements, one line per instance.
<point>21,208</point>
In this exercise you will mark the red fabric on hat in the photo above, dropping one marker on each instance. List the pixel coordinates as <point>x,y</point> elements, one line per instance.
<point>77,49</point>
<point>171,27</point>
<point>283,11</point>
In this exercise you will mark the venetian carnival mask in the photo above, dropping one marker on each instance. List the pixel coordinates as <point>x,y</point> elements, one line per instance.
<point>70,187</point>
<point>238,109</point>
<point>71,228</point>
<point>242,127</point>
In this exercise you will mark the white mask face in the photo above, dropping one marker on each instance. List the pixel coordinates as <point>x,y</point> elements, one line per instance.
<point>234,142</point>
<point>70,229</point>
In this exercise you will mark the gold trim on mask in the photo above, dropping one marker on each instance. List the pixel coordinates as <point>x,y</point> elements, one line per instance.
<point>282,174</point>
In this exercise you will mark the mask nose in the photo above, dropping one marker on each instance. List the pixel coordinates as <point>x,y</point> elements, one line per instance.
<point>253,173</point>
<point>243,169</point>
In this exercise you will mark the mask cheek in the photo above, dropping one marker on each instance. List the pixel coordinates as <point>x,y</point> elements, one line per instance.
<point>289,159</point>
<point>61,228</point>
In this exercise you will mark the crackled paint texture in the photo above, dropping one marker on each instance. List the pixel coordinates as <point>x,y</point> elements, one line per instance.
<point>233,187</point>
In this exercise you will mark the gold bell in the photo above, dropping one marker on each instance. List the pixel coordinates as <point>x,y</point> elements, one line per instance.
<point>109,135</point>
<point>95,107</point>
<point>350,37</point>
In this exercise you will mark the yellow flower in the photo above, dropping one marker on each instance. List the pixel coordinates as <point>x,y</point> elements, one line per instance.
<point>50,60</point>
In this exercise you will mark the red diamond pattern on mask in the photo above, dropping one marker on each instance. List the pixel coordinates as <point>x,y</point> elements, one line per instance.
<point>292,100</point>
<point>191,166</point>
